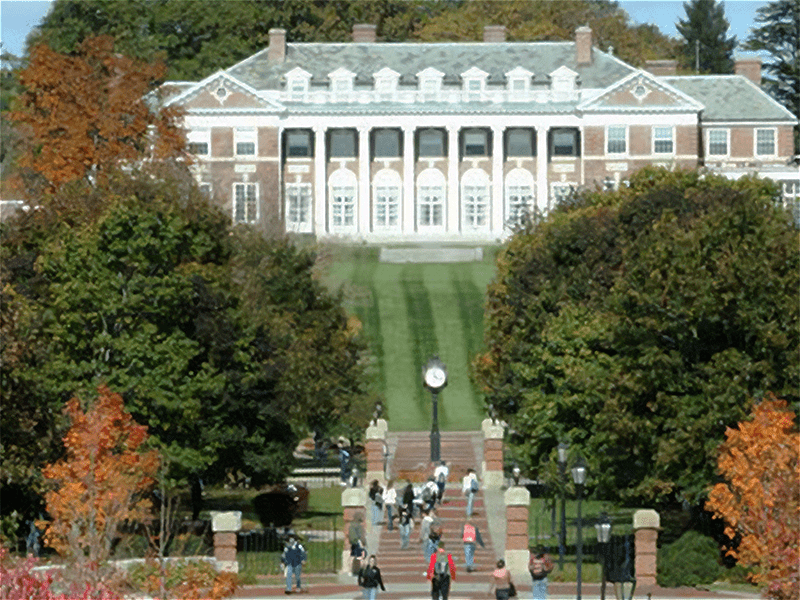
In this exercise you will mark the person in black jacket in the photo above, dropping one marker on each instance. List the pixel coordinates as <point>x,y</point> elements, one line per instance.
<point>369,578</point>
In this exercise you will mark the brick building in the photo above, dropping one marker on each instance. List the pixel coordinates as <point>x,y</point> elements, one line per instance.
<point>384,142</point>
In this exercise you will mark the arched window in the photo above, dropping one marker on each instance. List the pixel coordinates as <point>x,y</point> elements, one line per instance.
<point>475,199</point>
<point>386,208</point>
<point>430,199</point>
<point>520,195</point>
<point>343,188</point>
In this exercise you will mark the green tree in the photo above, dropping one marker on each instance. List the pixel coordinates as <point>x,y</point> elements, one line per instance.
<point>778,34</point>
<point>706,46</point>
<point>639,324</point>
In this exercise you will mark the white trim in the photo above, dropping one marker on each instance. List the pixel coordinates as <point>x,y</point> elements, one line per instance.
<point>246,185</point>
<point>245,135</point>
<point>653,140</point>
<point>300,226</point>
<point>199,136</point>
<point>475,204</point>
<point>625,139</point>
<point>774,153</point>
<point>340,181</point>
<point>707,136</point>
<point>387,179</point>
<point>517,180</point>
<point>431,179</point>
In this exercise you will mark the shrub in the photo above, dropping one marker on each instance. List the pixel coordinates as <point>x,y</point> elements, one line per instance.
<point>693,559</point>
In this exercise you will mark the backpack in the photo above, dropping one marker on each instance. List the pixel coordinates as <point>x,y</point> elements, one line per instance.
<point>474,486</point>
<point>441,478</point>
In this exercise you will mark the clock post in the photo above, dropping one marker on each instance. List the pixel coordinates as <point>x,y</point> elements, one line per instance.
<point>434,377</point>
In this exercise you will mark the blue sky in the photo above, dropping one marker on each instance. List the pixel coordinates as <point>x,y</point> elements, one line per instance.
<point>18,17</point>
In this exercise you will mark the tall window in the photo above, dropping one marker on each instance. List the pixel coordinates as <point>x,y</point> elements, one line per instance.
<point>519,197</point>
<point>718,142</point>
<point>386,143</point>
<point>519,143</point>
<point>388,185</point>
<point>616,140</point>
<point>298,207</point>
<point>298,143</point>
<point>343,186</point>
<point>663,140</point>
<point>564,142</point>
<point>245,142</point>
<point>475,142</point>
<point>431,143</point>
<point>245,205</point>
<point>475,199</point>
<point>430,199</point>
<point>765,142</point>
<point>342,143</point>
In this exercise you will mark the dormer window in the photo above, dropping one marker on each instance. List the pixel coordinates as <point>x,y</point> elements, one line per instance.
<point>386,84</point>
<point>341,85</point>
<point>430,84</point>
<point>563,83</point>
<point>519,84</point>
<point>474,84</point>
<point>297,84</point>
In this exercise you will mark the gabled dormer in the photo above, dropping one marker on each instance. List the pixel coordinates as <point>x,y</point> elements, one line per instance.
<point>563,84</point>
<point>518,84</point>
<point>474,84</point>
<point>297,84</point>
<point>341,86</point>
<point>386,84</point>
<point>430,84</point>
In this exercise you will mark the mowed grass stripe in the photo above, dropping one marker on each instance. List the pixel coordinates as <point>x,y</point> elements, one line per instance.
<point>368,312</point>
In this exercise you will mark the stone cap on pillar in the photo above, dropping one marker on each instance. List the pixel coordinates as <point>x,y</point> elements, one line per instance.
<point>354,497</point>
<point>492,429</point>
<point>517,496</point>
<point>646,518</point>
<point>226,521</point>
<point>377,429</point>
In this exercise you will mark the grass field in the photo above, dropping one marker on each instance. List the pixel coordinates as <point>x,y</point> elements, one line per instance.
<point>410,312</point>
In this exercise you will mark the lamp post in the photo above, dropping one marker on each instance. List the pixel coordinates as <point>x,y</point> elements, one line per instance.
<point>562,470</point>
<point>434,377</point>
<point>579,479</point>
<point>603,527</point>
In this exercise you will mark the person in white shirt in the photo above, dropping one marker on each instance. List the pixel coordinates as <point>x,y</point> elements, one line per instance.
<point>390,500</point>
<point>440,475</point>
<point>469,487</point>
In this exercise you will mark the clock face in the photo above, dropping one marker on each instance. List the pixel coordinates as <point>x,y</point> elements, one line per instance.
<point>435,377</point>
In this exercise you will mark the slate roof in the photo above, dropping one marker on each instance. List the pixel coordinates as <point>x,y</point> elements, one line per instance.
<point>408,59</point>
<point>730,98</point>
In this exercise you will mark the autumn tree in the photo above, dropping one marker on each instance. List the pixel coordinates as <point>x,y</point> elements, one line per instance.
<point>760,498</point>
<point>99,484</point>
<point>638,324</point>
<point>85,112</point>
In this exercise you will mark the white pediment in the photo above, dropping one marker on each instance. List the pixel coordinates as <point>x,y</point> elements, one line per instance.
<point>341,73</point>
<point>519,72</point>
<point>638,90</point>
<point>563,72</point>
<point>474,73</point>
<point>386,73</point>
<point>430,73</point>
<point>220,91</point>
<point>298,73</point>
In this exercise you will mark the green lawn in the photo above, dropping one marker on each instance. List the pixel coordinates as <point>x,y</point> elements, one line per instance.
<point>409,312</point>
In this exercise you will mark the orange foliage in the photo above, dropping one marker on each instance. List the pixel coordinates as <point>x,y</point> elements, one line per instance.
<point>86,112</point>
<point>761,500</point>
<point>100,482</point>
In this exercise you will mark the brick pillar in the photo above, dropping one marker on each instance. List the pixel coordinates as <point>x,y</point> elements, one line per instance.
<point>225,526</point>
<point>492,471</point>
<point>518,500</point>
<point>353,502</point>
<point>374,447</point>
<point>646,524</point>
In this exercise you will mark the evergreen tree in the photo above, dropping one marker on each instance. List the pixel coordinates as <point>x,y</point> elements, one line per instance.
<point>778,33</point>
<point>706,48</point>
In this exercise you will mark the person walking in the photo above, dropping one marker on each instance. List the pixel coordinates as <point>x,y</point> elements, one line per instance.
<point>369,578</point>
<point>435,531</point>
<point>293,558</point>
<point>430,492</point>
<point>376,497</point>
<point>502,584</point>
<point>405,523</point>
<point>470,535</point>
<point>424,533</point>
<point>440,474</point>
<point>441,571</point>
<point>539,567</point>
<point>355,535</point>
<point>470,487</point>
<point>390,500</point>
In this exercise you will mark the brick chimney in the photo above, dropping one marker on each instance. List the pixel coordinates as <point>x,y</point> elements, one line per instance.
<point>364,33</point>
<point>661,67</point>
<point>583,45</point>
<point>494,34</point>
<point>276,53</point>
<point>750,67</point>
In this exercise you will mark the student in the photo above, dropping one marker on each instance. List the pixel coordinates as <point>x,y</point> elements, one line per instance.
<point>502,585</point>
<point>435,531</point>
<point>469,487</point>
<point>390,500</point>
<point>440,475</point>
<point>355,535</point>
<point>470,535</point>
<point>293,558</point>
<point>369,578</point>
<point>441,570</point>
<point>376,496</point>
<point>539,567</point>
<point>430,492</point>
<point>406,522</point>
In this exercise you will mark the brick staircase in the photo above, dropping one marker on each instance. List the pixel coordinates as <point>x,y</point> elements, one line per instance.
<point>411,461</point>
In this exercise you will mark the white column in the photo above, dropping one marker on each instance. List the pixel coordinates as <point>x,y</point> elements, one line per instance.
<point>541,168</point>
<point>408,181</point>
<point>453,216</point>
<point>364,181</point>
<point>320,182</point>
<point>498,208</point>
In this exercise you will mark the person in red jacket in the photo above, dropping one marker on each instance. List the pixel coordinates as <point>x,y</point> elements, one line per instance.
<point>441,571</point>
